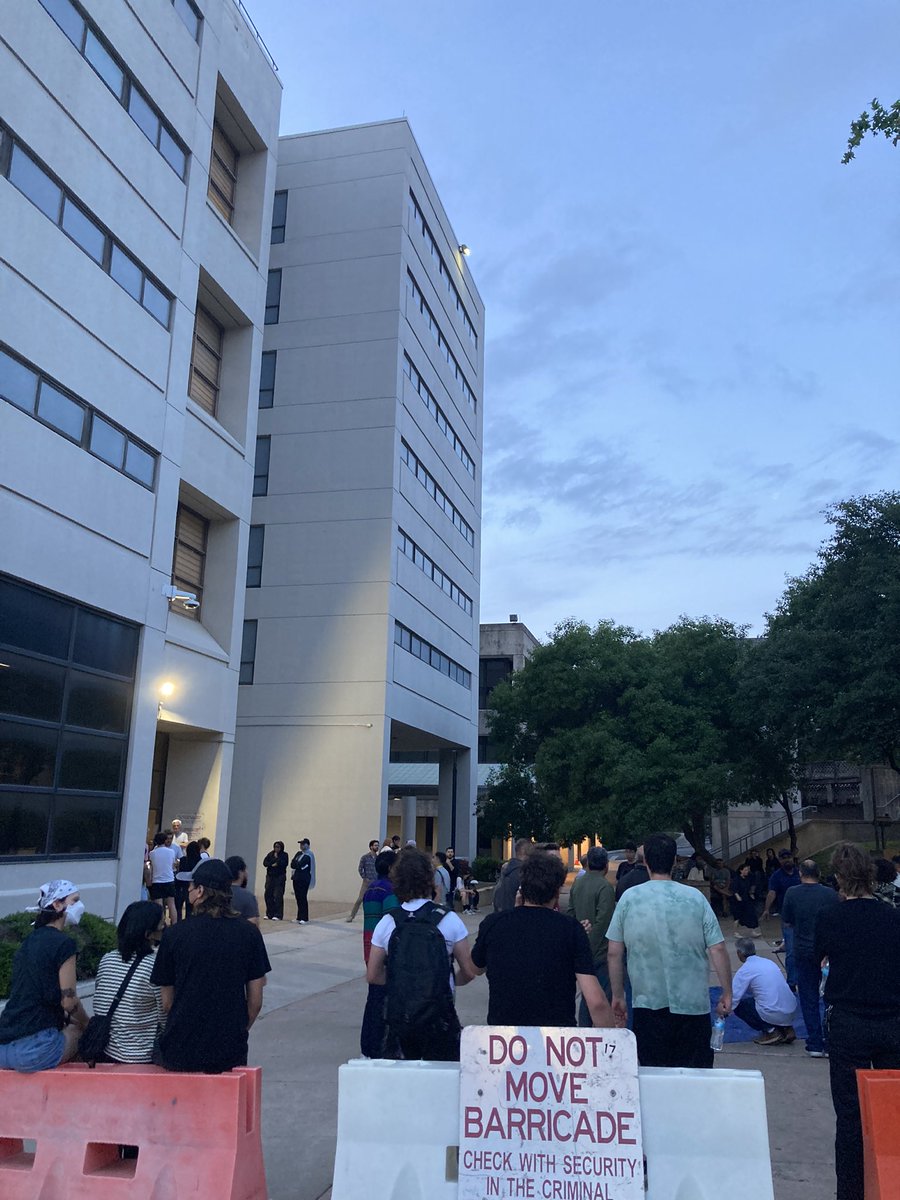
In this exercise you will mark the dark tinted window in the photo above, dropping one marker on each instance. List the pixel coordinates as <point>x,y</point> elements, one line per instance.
<point>27,754</point>
<point>24,821</point>
<point>34,621</point>
<point>84,825</point>
<point>91,763</point>
<point>267,379</point>
<point>279,216</point>
<point>30,688</point>
<point>97,703</point>
<point>105,644</point>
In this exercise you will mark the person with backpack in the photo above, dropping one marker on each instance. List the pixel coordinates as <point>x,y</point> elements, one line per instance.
<point>413,949</point>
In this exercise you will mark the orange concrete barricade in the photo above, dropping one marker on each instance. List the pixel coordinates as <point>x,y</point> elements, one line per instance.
<point>196,1136</point>
<point>879,1102</point>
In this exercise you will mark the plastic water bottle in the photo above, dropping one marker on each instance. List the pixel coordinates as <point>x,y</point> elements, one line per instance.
<point>824,980</point>
<point>717,1037</point>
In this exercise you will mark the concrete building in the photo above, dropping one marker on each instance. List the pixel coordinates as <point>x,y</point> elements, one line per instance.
<point>361,635</point>
<point>137,165</point>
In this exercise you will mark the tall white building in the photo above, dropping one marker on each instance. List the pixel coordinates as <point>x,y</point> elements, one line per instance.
<point>137,164</point>
<point>361,637</point>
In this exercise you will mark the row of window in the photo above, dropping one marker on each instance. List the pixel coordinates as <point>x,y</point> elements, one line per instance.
<point>437,493</point>
<point>437,412</point>
<point>408,547</point>
<point>279,217</point>
<point>267,378</point>
<point>417,217</point>
<point>407,640</point>
<point>273,297</point>
<point>41,397</point>
<point>442,344</point>
<point>87,39</point>
<point>55,201</point>
<point>190,15</point>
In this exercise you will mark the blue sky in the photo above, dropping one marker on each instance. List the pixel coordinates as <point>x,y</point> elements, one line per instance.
<point>692,307</point>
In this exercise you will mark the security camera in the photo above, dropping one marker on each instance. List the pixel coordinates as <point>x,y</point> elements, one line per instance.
<point>177,595</point>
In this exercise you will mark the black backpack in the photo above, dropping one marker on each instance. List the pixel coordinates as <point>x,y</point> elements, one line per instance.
<point>419,999</point>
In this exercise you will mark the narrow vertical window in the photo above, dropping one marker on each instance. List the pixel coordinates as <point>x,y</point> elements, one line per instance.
<point>189,562</point>
<point>261,468</point>
<point>273,297</point>
<point>206,361</point>
<point>279,217</point>
<point>223,168</point>
<point>267,378</point>
<point>255,555</point>
<point>248,652</point>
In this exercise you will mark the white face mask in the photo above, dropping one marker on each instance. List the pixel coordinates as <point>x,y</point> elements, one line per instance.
<point>75,912</point>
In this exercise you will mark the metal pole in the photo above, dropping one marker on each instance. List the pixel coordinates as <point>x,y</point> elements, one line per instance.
<point>452,841</point>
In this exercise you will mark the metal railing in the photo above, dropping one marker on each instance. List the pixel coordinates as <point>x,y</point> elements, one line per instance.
<point>762,833</point>
<point>248,20</point>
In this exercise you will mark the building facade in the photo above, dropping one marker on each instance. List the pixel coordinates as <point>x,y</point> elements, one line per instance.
<point>137,165</point>
<point>361,630</point>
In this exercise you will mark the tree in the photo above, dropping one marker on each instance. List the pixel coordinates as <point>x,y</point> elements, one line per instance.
<point>512,804</point>
<point>881,120</point>
<point>833,641</point>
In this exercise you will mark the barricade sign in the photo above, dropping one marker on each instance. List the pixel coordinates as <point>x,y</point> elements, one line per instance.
<point>549,1114</point>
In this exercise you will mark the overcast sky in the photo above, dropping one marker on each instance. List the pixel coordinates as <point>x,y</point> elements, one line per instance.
<point>692,308</point>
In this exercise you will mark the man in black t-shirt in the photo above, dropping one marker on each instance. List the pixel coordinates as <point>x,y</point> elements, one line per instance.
<point>534,956</point>
<point>800,910</point>
<point>211,970</point>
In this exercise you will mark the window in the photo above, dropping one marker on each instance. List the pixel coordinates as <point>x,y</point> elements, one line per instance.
<point>27,388</point>
<point>248,652</point>
<point>65,708</point>
<point>440,497</point>
<point>419,302</point>
<point>267,378</point>
<point>491,671</point>
<point>417,221</point>
<point>437,412</point>
<point>261,468</point>
<point>279,217</point>
<point>189,562</point>
<point>255,555</point>
<point>64,209</point>
<point>190,15</point>
<point>431,656</point>
<point>489,751</point>
<point>409,548</point>
<point>87,39</point>
<point>223,166</point>
<point>273,297</point>
<point>206,361</point>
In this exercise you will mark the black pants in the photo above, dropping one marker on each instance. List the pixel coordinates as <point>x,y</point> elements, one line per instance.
<point>855,1044</point>
<point>275,896</point>
<point>301,890</point>
<point>667,1039</point>
<point>371,1036</point>
<point>182,906</point>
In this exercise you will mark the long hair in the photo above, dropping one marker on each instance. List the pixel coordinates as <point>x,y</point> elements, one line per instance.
<point>854,870</point>
<point>138,919</point>
<point>215,903</point>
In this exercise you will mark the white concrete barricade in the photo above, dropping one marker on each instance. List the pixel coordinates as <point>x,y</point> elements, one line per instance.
<point>705,1132</point>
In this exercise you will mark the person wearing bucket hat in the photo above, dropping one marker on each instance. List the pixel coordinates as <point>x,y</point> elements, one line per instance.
<point>211,971</point>
<point>43,1018</point>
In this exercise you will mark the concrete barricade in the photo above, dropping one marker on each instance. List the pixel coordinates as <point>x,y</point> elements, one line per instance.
<point>879,1102</point>
<point>704,1132</point>
<point>195,1135</point>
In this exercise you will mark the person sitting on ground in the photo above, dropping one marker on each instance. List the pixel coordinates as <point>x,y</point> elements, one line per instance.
<point>211,971</point>
<point>43,1018</point>
<point>243,902</point>
<point>761,996</point>
<point>508,883</point>
<point>743,906</point>
<point>472,895</point>
<point>139,1014</point>
<point>412,875</point>
<point>535,956</point>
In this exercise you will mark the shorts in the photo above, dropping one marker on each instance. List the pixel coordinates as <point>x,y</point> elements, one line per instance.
<point>37,1052</point>
<point>160,891</point>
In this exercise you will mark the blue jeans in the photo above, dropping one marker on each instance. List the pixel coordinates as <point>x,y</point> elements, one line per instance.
<point>790,963</point>
<point>602,972</point>
<point>38,1052</point>
<point>809,974</point>
<point>746,1010</point>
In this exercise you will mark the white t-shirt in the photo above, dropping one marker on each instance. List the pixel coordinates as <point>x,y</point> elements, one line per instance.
<point>181,839</point>
<point>763,980</point>
<point>451,927</point>
<point>163,860</point>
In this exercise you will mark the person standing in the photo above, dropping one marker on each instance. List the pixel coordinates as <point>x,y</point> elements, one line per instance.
<point>592,901</point>
<point>670,933</point>
<point>211,971</point>
<point>378,900</point>
<point>243,902</point>
<point>800,912</point>
<point>276,864</point>
<point>508,884</point>
<point>183,875</point>
<point>179,838</point>
<point>366,872</point>
<point>719,888</point>
<point>303,876</point>
<point>442,887</point>
<point>627,862</point>
<point>743,906</point>
<point>163,859</point>
<point>635,875</point>
<point>861,940</point>
<point>784,878</point>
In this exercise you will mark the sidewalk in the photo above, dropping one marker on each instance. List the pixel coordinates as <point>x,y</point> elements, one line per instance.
<point>310,1025</point>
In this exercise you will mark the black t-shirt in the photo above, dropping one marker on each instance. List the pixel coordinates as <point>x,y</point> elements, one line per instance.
<point>34,1001</point>
<point>276,863</point>
<point>861,939</point>
<point>801,909</point>
<point>209,961</point>
<point>532,956</point>
<point>638,874</point>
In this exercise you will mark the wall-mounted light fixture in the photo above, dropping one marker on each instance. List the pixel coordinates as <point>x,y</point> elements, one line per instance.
<point>165,691</point>
<point>464,250</point>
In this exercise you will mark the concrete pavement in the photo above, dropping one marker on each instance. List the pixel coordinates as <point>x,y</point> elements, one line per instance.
<point>310,1025</point>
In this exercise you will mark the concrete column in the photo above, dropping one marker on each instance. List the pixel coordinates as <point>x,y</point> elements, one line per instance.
<point>445,832</point>
<point>408,819</point>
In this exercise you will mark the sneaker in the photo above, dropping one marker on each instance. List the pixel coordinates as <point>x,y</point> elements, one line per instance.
<point>817,1053</point>
<point>787,1035</point>
<point>303,922</point>
<point>349,919</point>
<point>774,1038</point>
<point>273,918</point>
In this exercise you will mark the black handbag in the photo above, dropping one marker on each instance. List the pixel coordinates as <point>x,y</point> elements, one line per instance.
<point>93,1042</point>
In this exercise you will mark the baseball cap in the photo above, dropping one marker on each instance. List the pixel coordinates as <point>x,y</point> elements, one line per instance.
<point>785,854</point>
<point>212,873</point>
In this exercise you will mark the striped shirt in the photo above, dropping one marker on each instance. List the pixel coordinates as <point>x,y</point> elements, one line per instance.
<point>139,1013</point>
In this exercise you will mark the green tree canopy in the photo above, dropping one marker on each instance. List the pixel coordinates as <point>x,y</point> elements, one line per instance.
<point>885,121</point>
